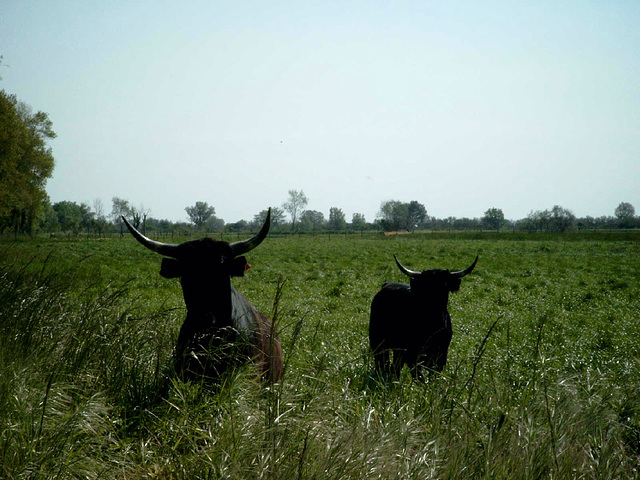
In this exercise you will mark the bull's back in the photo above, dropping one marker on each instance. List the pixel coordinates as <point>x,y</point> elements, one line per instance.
<point>390,314</point>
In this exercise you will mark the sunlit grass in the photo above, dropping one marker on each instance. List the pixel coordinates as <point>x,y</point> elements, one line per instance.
<point>542,381</point>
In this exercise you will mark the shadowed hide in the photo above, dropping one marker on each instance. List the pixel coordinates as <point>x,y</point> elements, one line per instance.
<point>410,324</point>
<point>222,328</point>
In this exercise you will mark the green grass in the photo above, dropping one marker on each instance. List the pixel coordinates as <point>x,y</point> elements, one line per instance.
<point>543,377</point>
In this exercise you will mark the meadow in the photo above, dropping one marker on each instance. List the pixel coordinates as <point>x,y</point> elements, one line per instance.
<point>542,381</point>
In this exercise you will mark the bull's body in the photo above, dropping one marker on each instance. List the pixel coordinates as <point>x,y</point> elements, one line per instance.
<point>222,328</point>
<point>410,324</point>
<point>228,334</point>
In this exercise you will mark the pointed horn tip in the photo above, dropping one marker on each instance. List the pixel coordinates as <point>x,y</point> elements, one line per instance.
<point>467,270</point>
<point>405,270</point>
<point>245,246</point>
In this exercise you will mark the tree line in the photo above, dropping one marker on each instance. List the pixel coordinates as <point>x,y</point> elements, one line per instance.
<point>394,216</point>
<point>25,208</point>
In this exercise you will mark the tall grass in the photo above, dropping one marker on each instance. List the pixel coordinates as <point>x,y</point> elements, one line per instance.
<point>542,379</point>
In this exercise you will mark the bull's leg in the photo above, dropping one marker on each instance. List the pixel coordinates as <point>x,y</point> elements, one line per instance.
<point>381,360</point>
<point>414,362</point>
<point>399,360</point>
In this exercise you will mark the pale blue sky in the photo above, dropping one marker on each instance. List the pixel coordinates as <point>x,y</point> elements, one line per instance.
<point>461,106</point>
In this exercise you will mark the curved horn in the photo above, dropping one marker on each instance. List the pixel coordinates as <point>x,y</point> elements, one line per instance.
<point>166,249</point>
<point>406,271</point>
<point>466,271</point>
<point>242,247</point>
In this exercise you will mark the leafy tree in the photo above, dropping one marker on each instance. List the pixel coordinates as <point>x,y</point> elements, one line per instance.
<point>312,220</point>
<point>538,220</point>
<point>70,216</point>
<point>396,215</point>
<point>25,163</point>
<point>561,219</point>
<point>49,218</point>
<point>358,221</point>
<point>277,218</point>
<point>417,215</point>
<point>336,219</point>
<point>100,221</point>
<point>295,205</point>
<point>625,214</point>
<point>239,226</point>
<point>120,208</point>
<point>214,224</point>
<point>88,217</point>
<point>200,213</point>
<point>493,218</point>
<point>139,215</point>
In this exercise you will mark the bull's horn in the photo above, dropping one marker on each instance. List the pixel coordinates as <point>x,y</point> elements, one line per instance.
<point>406,271</point>
<point>168,249</point>
<point>466,271</point>
<point>242,247</point>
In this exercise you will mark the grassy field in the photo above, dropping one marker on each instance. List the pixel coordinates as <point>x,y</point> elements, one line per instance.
<point>543,377</point>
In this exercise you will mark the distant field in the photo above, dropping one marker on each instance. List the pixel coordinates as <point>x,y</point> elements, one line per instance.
<point>543,377</point>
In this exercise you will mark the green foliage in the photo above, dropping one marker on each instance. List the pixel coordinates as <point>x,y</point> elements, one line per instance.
<point>542,379</point>
<point>358,222</point>
<point>200,213</point>
<point>625,213</point>
<point>493,218</point>
<point>396,215</point>
<point>312,221</point>
<point>294,205</point>
<point>336,219</point>
<point>558,220</point>
<point>25,164</point>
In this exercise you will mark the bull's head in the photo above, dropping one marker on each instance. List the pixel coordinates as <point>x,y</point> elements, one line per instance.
<point>203,263</point>
<point>203,252</point>
<point>436,280</point>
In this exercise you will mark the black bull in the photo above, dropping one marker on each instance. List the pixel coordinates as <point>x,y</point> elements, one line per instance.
<point>412,323</point>
<point>222,328</point>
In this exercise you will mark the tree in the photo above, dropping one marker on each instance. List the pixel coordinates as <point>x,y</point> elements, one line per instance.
<point>396,215</point>
<point>49,218</point>
<point>417,215</point>
<point>358,221</point>
<point>561,219</point>
<point>277,218</point>
<point>311,220</point>
<point>200,213</point>
<point>336,219</point>
<point>100,222</point>
<point>139,215</point>
<point>25,163</point>
<point>214,224</point>
<point>493,219</point>
<point>538,220</point>
<point>70,216</point>
<point>295,205</point>
<point>120,208</point>
<point>393,215</point>
<point>88,217</point>
<point>625,213</point>
<point>239,226</point>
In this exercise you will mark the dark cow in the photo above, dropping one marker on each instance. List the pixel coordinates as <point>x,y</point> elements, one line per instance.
<point>222,328</point>
<point>412,323</point>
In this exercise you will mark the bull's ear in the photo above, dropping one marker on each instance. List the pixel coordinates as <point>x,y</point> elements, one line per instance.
<point>453,284</point>
<point>171,268</point>
<point>238,266</point>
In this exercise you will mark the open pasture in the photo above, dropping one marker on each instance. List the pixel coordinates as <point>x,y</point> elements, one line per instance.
<point>542,381</point>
